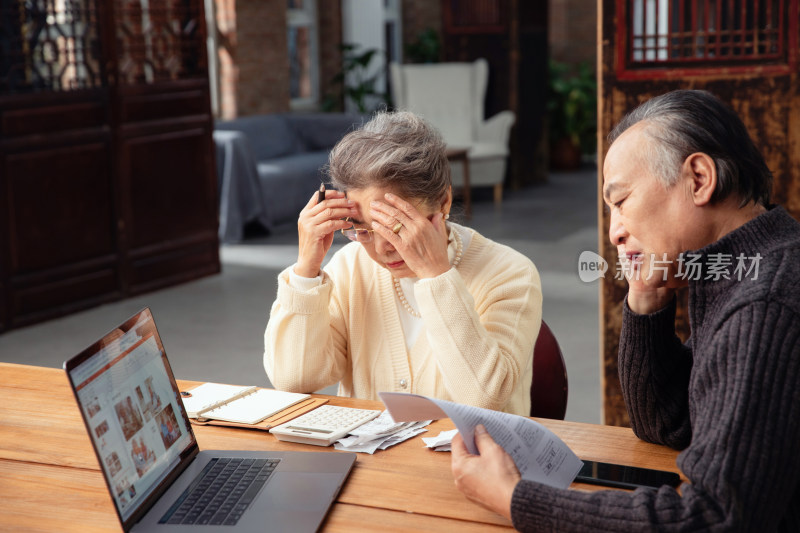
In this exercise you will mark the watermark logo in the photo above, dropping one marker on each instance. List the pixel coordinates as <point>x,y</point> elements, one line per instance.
<point>689,266</point>
<point>591,266</point>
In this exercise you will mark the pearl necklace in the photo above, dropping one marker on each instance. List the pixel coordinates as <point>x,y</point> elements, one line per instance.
<point>399,290</point>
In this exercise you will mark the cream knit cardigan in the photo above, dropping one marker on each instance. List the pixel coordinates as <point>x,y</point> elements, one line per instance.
<point>481,321</point>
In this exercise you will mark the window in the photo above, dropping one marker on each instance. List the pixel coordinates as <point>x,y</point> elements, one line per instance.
<point>392,37</point>
<point>705,35</point>
<point>374,30</point>
<point>303,53</point>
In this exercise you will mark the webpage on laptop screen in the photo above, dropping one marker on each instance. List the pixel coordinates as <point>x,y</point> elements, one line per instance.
<point>132,410</point>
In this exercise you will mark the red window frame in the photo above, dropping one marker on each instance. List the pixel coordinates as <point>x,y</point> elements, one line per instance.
<point>713,55</point>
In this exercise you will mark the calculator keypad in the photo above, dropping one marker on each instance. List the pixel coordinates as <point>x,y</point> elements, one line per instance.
<point>324,425</point>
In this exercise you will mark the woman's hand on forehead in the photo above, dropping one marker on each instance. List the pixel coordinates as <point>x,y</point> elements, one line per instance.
<point>420,240</point>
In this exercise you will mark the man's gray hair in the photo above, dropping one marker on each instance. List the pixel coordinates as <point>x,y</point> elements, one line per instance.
<point>395,150</point>
<point>688,121</point>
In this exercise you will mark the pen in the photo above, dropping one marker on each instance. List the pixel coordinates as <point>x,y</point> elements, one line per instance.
<point>321,192</point>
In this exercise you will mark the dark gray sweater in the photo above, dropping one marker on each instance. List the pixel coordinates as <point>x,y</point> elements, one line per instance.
<point>729,398</point>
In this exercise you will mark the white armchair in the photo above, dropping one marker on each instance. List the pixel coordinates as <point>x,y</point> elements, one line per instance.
<point>450,96</point>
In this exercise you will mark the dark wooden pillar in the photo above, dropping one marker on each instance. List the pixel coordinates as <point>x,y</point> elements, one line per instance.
<point>512,36</point>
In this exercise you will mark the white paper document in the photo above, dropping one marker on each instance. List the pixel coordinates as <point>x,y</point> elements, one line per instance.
<point>540,455</point>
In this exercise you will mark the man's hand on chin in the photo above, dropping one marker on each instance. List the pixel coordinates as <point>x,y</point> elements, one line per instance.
<point>652,281</point>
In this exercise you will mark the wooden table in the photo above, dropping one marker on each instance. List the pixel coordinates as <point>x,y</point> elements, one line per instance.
<point>460,154</point>
<point>50,479</point>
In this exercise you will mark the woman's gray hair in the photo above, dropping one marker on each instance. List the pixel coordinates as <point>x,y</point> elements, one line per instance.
<point>395,150</point>
<point>688,121</point>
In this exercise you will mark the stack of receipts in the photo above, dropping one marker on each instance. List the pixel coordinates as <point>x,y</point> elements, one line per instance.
<point>380,433</point>
<point>537,452</point>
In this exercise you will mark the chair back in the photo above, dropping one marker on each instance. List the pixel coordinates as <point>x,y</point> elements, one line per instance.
<point>449,95</point>
<point>549,386</point>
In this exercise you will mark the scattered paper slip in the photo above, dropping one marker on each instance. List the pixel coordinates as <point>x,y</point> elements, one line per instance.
<point>379,434</point>
<point>441,442</point>
<point>540,455</point>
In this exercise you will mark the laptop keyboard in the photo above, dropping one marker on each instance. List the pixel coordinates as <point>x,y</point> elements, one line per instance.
<point>221,493</point>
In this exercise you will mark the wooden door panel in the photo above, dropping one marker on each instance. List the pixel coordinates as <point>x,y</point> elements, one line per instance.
<point>146,272</point>
<point>165,161</point>
<point>39,298</point>
<point>137,106</point>
<point>59,213</point>
<point>107,176</point>
<point>57,206</point>
<point>166,190</point>
<point>54,118</point>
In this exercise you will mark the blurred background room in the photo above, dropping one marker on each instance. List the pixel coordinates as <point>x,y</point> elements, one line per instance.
<point>157,152</point>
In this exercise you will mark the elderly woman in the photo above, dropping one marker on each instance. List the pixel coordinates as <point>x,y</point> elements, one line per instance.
<point>415,303</point>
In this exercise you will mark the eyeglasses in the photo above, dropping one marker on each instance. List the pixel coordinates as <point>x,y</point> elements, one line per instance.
<point>362,235</point>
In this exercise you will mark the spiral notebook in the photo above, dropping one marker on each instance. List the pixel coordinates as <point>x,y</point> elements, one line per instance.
<point>236,403</point>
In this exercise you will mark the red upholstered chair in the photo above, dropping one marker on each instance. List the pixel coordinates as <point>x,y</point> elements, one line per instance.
<point>549,386</point>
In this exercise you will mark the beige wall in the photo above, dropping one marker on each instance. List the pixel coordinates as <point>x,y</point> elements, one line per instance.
<point>253,55</point>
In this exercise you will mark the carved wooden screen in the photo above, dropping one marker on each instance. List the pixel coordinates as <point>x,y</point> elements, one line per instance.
<point>159,40</point>
<point>49,45</point>
<point>745,52</point>
<point>107,175</point>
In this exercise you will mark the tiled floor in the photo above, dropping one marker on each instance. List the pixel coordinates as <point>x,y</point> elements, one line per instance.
<point>212,328</point>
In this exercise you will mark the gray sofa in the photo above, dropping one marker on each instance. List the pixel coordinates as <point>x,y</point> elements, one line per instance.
<point>269,166</point>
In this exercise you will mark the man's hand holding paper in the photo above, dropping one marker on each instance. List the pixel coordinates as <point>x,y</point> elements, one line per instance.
<point>538,453</point>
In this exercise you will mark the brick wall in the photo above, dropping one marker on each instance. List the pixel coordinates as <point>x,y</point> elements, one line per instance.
<point>226,49</point>
<point>572,32</point>
<point>254,62</point>
<point>262,57</point>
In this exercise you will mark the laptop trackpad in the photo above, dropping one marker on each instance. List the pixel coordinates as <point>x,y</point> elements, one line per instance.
<point>302,491</point>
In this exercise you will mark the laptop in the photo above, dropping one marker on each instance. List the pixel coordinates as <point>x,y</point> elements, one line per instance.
<point>158,478</point>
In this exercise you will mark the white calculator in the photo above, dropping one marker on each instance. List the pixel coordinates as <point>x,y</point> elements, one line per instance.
<point>324,425</point>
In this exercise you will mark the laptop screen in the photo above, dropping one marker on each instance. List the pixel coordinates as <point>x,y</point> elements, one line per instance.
<point>132,409</point>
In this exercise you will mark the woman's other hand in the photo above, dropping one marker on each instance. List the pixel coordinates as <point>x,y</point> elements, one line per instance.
<point>487,479</point>
<point>421,241</point>
<point>317,223</point>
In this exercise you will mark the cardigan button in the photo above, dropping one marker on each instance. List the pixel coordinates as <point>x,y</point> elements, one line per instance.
<point>403,383</point>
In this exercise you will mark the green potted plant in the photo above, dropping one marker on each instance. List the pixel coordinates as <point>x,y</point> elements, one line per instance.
<point>426,49</point>
<point>571,114</point>
<point>354,82</point>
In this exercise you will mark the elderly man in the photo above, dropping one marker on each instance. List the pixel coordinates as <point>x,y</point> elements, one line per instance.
<point>687,187</point>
